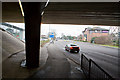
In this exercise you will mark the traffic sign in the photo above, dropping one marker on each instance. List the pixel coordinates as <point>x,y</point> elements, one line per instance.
<point>51,36</point>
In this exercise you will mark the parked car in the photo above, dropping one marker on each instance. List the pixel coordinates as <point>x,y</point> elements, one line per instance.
<point>72,48</point>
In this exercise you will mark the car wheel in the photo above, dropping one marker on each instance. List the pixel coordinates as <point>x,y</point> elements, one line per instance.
<point>70,51</point>
<point>77,51</point>
<point>66,49</point>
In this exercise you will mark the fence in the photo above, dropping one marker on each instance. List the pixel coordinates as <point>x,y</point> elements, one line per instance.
<point>85,65</point>
<point>93,70</point>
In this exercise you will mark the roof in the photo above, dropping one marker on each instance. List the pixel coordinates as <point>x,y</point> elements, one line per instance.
<point>96,28</point>
<point>12,26</point>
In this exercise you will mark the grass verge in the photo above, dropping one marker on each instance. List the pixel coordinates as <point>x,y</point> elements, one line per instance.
<point>43,42</point>
<point>100,44</point>
<point>109,46</point>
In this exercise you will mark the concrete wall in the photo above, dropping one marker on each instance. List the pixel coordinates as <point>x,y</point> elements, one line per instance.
<point>10,44</point>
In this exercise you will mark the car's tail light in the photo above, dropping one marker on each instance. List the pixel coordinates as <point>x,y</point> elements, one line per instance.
<point>71,47</point>
<point>79,47</point>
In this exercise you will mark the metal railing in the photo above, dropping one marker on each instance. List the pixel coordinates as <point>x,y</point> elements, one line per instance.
<point>93,70</point>
<point>85,65</point>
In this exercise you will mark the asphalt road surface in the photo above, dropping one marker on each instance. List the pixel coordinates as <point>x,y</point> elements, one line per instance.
<point>105,57</point>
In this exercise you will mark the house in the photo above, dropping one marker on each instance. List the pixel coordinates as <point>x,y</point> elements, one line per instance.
<point>90,33</point>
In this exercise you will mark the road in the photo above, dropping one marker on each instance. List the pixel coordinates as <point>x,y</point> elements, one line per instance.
<point>106,57</point>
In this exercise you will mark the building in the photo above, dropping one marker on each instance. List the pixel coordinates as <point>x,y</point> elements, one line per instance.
<point>43,37</point>
<point>14,30</point>
<point>90,33</point>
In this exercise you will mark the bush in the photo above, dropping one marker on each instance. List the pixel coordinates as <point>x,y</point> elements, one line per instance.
<point>85,41</point>
<point>117,42</point>
<point>93,39</point>
<point>44,42</point>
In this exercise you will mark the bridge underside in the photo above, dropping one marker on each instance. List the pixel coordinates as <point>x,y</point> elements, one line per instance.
<point>69,13</point>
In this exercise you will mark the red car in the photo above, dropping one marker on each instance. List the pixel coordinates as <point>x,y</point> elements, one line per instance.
<point>72,48</point>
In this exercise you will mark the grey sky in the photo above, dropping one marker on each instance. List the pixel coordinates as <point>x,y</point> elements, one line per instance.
<point>73,30</point>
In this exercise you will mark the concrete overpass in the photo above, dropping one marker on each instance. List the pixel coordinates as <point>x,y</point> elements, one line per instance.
<point>85,13</point>
<point>57,13</point>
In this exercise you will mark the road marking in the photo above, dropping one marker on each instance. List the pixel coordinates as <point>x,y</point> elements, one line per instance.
<point>72,60</point>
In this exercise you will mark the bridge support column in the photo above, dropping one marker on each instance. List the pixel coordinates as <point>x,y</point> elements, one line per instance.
<point>32,18</point>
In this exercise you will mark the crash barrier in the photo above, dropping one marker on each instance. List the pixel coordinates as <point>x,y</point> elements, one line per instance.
<point>93,70</point>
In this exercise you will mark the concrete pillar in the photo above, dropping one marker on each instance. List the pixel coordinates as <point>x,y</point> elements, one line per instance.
<point>32,18</point>
<point>0,41</point>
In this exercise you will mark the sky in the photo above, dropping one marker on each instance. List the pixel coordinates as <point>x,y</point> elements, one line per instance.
<point>73,30</point>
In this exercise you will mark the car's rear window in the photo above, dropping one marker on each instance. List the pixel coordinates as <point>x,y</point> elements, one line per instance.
<point>73,45</point>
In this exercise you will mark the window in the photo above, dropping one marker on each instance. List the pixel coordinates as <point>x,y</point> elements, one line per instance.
<point>73,45</point>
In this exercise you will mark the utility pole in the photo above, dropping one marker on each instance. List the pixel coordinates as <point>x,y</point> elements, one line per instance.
<point>49,31</point>
<point>49,28</point>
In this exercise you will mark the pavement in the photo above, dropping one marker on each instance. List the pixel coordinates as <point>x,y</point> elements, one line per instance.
<point>52,65</point>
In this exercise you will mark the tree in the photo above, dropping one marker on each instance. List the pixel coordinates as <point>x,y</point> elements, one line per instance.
<point>79,37</point>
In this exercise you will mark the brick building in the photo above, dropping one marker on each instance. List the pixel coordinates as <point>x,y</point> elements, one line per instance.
<point>90,33</point>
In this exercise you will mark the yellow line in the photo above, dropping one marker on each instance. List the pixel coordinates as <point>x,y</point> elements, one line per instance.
<point>21,7</point>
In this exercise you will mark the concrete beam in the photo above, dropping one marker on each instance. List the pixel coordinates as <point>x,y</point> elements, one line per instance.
<point>80,13</point>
